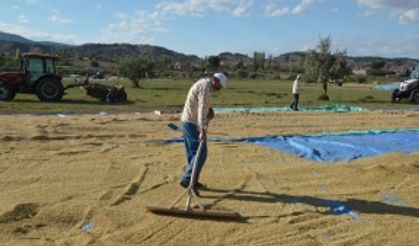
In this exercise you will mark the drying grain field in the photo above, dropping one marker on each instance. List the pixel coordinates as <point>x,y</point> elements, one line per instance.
<point>85,179</point>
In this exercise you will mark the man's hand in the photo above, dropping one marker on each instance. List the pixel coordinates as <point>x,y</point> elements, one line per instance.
<point>203,135</point>
<point>210,114</point>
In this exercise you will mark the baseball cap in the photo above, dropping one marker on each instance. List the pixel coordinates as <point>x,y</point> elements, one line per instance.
<point>222,78</point>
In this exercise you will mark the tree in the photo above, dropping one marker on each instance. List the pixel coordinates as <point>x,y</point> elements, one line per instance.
<point>258,61</point>
<point>340,67</point>
<point>9,63</point>
<point>94,63</point>
<point>17,53</point>
<point>377,68</point>
<point>270,61</point>
<point>322,66</point>
<point>136,70</point>
<point>240,64</point>
<point>214,62</point>
<point>378,64</point>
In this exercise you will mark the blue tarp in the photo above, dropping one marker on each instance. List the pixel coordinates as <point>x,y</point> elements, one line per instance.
<point>324,108</point>
<point>344,147</point>
<point>341,146</point>
<point>388,87</point>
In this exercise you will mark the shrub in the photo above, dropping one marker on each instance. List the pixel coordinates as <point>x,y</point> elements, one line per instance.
<point>277,76</point>
<point>323,97</point>
<point>362,79</point>
<point>241,74</point>
<point>377,72</point>
<point>291,76</point>
<point>94,63</point>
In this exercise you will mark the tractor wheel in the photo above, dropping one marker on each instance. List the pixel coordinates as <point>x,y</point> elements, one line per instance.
<point>49,90</point>
<point>7,92</point>
<point>414,96</point>
<point>395,96</point>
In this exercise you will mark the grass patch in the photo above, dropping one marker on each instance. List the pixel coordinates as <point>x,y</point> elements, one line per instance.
<point>366,99</point>
<point>324,97</point>
<point>167,93</point>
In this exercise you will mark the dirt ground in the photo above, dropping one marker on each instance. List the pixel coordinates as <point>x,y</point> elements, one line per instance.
<point>59,174</point>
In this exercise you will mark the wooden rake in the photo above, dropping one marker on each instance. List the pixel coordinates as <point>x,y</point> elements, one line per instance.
<point>189,211</point>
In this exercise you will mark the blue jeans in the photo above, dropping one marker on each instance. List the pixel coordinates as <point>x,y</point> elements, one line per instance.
<point>294,104</point>
<point>191,140</point>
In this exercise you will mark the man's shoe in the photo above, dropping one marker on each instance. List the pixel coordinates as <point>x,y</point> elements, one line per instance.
<point>185,185</point>
<point>200,185</point>
<point>196,191</point>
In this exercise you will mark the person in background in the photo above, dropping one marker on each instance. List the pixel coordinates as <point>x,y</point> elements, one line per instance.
<point>194,123</point>
<point>295,93</point>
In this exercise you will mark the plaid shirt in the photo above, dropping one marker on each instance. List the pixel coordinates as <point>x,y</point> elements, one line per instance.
<point>198,103</point>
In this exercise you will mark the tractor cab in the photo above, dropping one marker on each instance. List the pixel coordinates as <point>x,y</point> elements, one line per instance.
<point>415,73</point>
<point>35,66</point>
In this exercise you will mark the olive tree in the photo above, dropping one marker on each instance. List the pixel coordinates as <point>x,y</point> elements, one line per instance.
<point>321,66</point>
<point>136,70</point>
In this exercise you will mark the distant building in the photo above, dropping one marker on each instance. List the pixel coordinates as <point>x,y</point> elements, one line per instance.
<point>178,66</point>
<point>359,71</point>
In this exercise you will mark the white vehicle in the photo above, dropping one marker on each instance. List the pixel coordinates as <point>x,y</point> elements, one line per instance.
<point>408,89</point>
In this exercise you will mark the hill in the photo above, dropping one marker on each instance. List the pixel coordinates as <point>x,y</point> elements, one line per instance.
<point>10,43</point>
<point>123,51</point>
<point>13,38</point>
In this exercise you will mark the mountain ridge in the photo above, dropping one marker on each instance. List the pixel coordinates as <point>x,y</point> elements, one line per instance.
<point>9,43</point>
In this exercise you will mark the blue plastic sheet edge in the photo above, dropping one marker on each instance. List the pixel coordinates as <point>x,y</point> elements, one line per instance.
<point>299,149</point>
<point>302,108</point>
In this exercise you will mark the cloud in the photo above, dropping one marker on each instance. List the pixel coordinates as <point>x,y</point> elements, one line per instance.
<point>409,16</point>
<point>373,46</point>
<point>242,9</point>
<point>138,28</point>
<point>406,11</point>
<point>365,14</point>
<point>39,35</point>
<point>354,45</point>
<point>23,19</point>
<point>272,10</point>
<point>55,11</point>
<point>201,7</point>
<point>300,8</point>
<point>60,20</point>
<point>399,4</point>
<point>57,19</point>
<point>142,26</point>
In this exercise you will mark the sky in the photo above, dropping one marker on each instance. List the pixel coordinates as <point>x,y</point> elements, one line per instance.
<point>387,28</point>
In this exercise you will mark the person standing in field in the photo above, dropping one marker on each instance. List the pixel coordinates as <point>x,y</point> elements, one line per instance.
<point>194,123</point>
<point>296,93</point>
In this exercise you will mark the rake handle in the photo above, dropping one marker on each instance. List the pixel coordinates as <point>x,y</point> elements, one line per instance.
<point>198,153</point>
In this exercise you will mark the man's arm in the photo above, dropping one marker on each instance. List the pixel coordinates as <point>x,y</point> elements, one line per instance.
<point>203,109</point>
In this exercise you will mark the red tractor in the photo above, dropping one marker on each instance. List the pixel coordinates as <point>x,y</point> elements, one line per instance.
<point>37,75</point>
